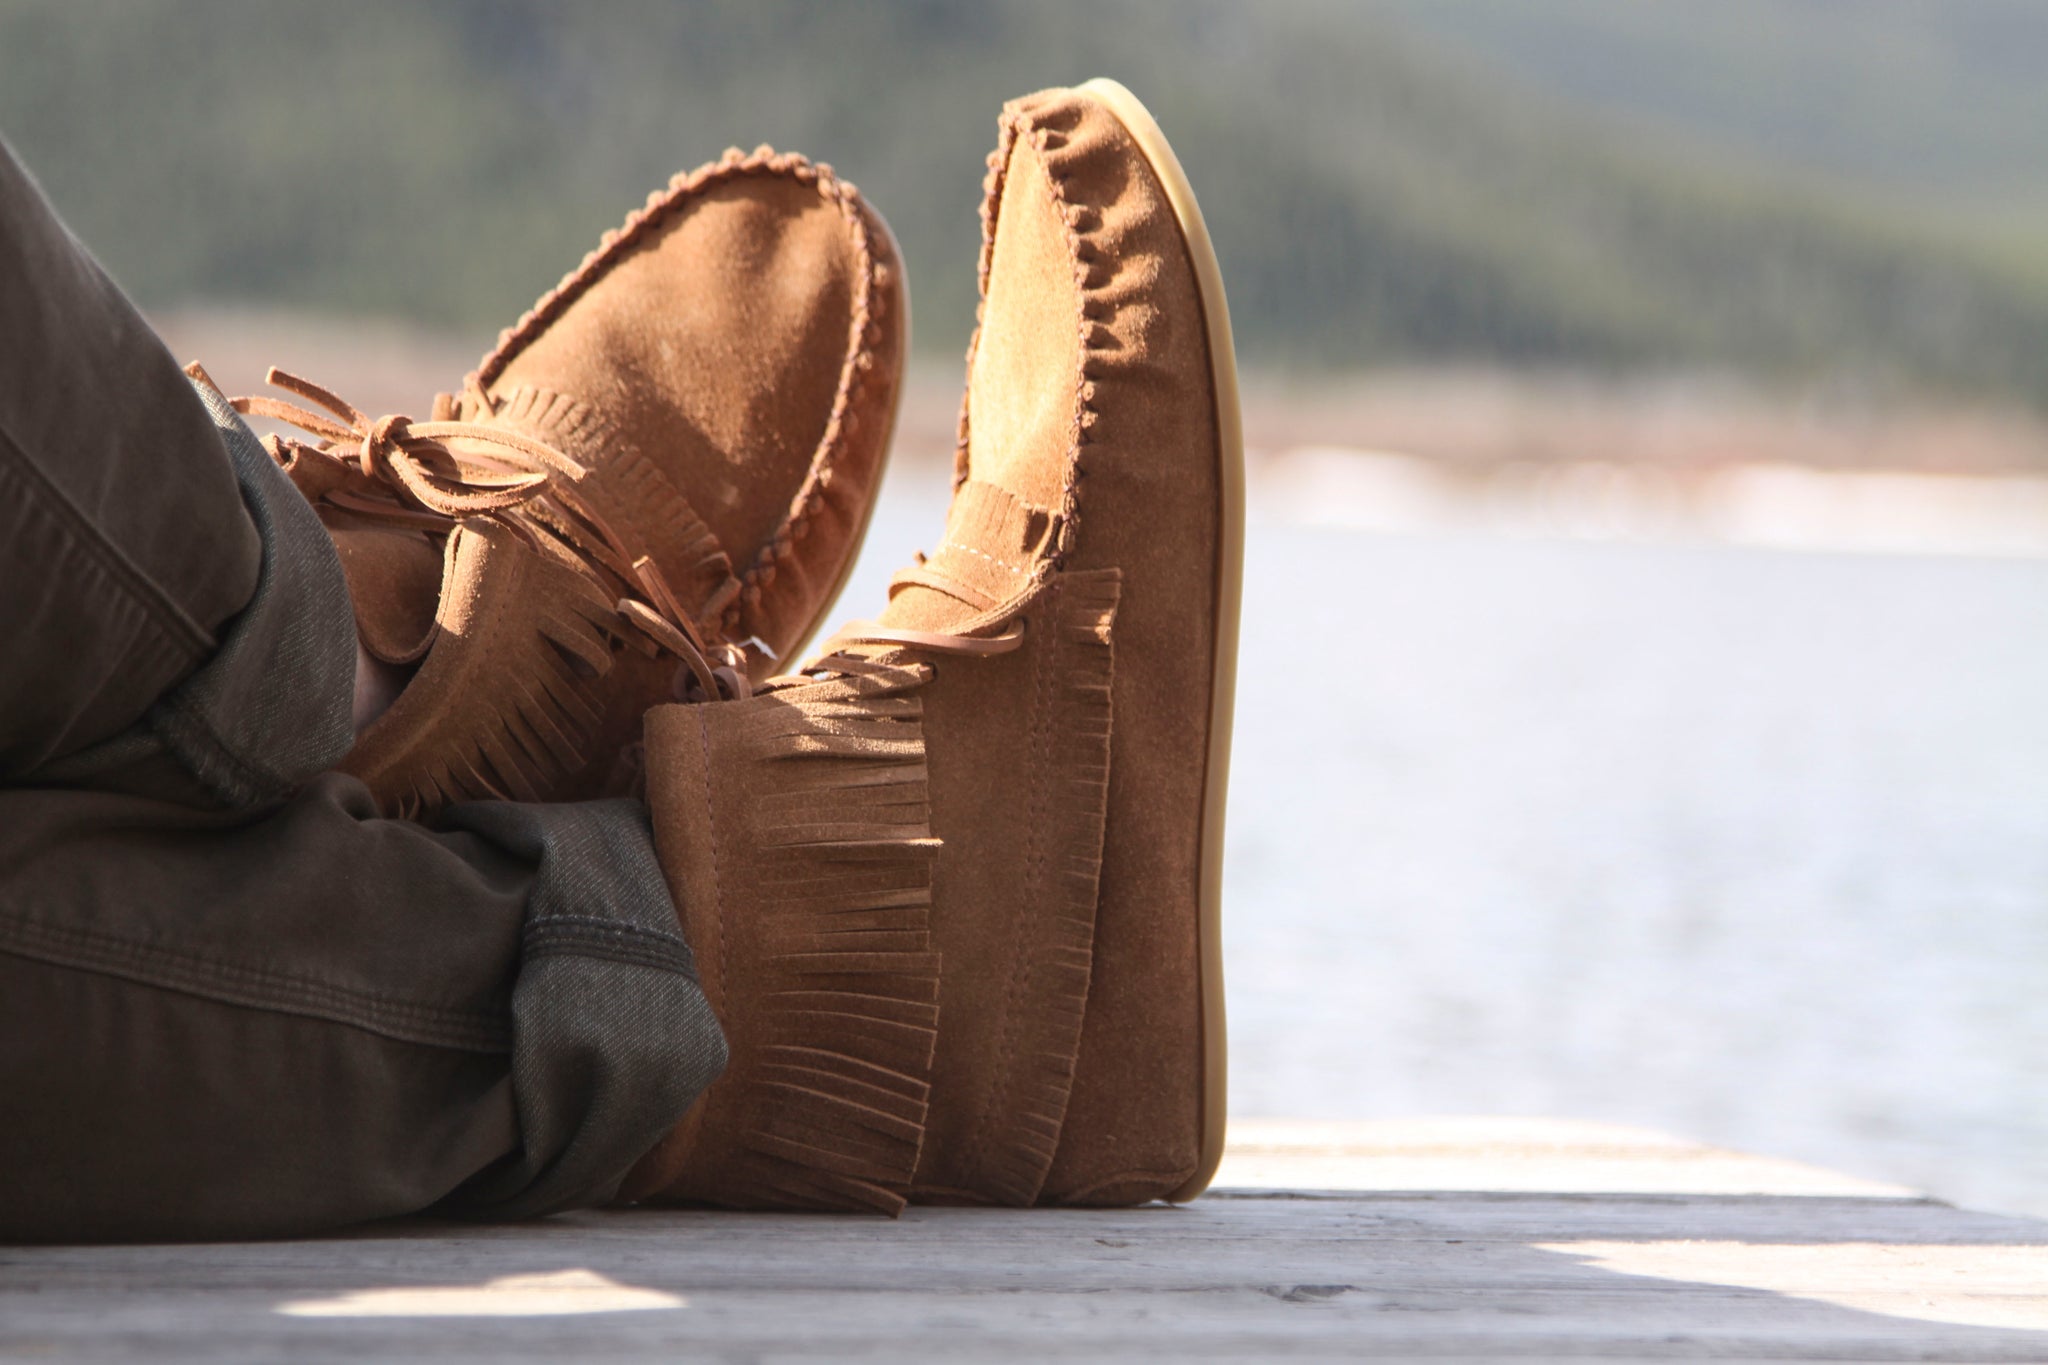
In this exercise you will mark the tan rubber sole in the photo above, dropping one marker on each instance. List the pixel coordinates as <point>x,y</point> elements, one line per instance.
<point>1144,130</point>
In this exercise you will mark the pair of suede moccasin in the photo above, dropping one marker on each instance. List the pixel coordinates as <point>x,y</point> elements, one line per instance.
<point>952,885</point>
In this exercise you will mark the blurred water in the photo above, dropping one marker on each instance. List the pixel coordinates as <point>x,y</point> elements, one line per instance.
<point>1744,844</point>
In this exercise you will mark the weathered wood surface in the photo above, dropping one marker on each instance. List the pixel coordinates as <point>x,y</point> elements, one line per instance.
<point>1441,1250</point>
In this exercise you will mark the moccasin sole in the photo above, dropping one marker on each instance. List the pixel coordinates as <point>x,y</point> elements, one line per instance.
<point>1144,130</point>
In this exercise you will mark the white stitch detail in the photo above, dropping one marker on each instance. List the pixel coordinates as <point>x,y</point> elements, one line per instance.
<point>980,554</point>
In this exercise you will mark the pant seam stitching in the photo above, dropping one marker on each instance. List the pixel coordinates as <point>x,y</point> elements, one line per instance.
<point>254,987</point>
<point>580,924</point>
<point>188,730</point>
<point>581,936</point>
<point>170,618</point>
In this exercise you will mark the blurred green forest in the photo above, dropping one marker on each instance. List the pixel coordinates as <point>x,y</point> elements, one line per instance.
<point>1803,190</point>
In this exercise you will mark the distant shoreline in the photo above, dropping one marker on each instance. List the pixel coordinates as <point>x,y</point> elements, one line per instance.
<point>1684,457</point>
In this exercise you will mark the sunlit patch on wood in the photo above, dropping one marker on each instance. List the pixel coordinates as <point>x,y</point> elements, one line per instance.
<point>563,1293</point>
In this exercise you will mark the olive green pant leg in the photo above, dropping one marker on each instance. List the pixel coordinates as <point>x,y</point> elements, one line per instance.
<point>215,1025</point>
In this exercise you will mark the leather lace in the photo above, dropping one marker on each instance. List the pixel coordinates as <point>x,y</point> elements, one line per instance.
<point>397,470</point>
<point>836,654</point>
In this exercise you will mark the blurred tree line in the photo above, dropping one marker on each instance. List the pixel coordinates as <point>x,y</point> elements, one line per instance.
<point>1387,182</point>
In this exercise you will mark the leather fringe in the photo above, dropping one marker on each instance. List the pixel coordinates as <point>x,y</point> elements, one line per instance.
<point>1011,1150</point>
<point>795,830</point>
<point>504,706</point>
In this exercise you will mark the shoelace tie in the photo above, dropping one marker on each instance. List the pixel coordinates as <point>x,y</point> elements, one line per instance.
<point>503,475</point>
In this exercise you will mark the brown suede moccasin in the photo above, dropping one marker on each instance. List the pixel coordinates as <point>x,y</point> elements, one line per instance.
<point>954,892</point>
<point>671,457</point>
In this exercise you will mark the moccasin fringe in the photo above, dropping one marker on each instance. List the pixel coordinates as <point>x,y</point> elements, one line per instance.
<point>795,829</point>
<point>1011,1149</point>
<point>526,721</point>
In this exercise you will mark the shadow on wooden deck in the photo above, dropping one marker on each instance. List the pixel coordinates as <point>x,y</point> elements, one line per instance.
<point>1822,1267</point>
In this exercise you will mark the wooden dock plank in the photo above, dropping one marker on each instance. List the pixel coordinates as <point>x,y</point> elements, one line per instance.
<point>1448,1274</point>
